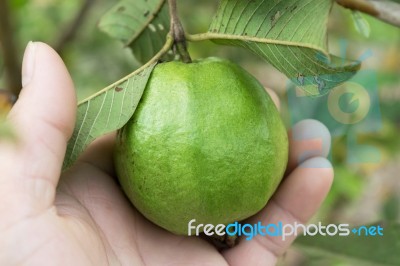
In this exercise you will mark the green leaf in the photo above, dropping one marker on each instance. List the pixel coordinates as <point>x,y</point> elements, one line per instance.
<point>365,250</point>
<point>361,24</point>
<point>106,111</point>
<point>290,34</point>
<point>141,25</point>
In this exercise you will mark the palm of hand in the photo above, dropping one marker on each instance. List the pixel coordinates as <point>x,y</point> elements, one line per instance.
<point>96,225</point>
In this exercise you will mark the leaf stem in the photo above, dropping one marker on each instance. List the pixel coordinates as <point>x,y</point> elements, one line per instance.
<point>223,36</point>
<point>177,33</point>
<point>198,37</point>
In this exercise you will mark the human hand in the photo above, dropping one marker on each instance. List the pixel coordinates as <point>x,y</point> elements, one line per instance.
<point>83,218</point>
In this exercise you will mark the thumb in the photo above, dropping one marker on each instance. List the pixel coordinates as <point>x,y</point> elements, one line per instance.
<point>43,118</point>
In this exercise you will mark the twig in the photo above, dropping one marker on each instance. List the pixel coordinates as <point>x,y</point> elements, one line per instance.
<point>70,31</point>
<point>178,33</point>
<point>385,10</point>
<point>12,66</point>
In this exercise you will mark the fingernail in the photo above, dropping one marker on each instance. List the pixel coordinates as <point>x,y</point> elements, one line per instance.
<point>28,63</point>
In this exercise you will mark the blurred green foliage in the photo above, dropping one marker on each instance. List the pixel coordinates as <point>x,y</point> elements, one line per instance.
<point>94,60</point>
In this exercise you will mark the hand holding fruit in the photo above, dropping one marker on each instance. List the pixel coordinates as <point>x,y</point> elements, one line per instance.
<point>83,218</point>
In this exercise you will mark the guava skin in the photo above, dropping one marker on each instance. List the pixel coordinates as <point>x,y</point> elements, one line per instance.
<point>206,142</point>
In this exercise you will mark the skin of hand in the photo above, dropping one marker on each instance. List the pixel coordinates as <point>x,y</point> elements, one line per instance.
<point>83,218</point>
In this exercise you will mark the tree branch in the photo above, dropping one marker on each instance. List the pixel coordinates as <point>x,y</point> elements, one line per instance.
<point>69,32</point>
<point>12,66</point>
<point>385,10</point>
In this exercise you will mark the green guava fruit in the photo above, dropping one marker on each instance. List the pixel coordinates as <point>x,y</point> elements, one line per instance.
<point>206,142</point>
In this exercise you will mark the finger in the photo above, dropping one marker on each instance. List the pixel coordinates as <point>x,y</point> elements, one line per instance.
<point>308,138</point>
<point>100,154</point>
<point>296,200</point>
<point>43,117</point>
<point>274,98</point>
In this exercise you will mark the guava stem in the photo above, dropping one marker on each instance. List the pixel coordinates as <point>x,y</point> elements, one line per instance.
<point>178,34</point>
